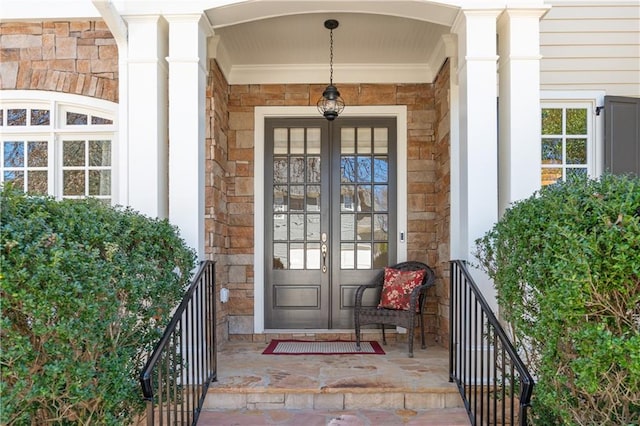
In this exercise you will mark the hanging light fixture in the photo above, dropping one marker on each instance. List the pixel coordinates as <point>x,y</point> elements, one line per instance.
<point>330,104</point>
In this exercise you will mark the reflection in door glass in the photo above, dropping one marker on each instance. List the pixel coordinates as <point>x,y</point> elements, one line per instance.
<point>296,254</point>
<point>313,255</point>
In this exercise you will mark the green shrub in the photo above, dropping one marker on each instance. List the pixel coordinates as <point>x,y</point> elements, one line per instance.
<point>86,292</point>
<point>566,266</point>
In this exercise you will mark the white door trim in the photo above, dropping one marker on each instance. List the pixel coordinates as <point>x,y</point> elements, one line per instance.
<point>397,111</point>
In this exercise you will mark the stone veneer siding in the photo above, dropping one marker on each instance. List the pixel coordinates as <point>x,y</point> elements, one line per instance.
<point>78,57</point>
<point>428,177</point>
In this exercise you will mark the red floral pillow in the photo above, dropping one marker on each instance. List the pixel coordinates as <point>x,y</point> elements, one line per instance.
<point>397,288</point>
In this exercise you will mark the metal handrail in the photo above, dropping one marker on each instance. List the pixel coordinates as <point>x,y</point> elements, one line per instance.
<point>483,362</point>
<point>177,375</point>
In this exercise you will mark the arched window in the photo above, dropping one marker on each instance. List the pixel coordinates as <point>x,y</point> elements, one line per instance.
<point>58,144</point>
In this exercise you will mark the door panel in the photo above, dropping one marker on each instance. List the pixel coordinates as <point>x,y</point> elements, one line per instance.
<point>329,192</point>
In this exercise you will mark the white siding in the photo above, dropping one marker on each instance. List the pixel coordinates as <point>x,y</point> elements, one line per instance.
<point>591,46</point>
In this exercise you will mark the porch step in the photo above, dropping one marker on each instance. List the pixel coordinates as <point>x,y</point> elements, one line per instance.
<point>248,380</point>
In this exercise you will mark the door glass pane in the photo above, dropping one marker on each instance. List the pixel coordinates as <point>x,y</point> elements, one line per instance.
<point>280,256</point>
<point>364,256</point>
<point>313,255</point>
<point>381,227</point>
<point>381,140</point>
<point>280,198</point>
<point>364,140</point>
<point>280,228</point>
<point>313,140</point>
<point>280,141</point>
<point>313,198</point>
<point>297,169</point>
<point>347,198</point>
<point>364,198</point>
<point>280,170</point>
<point>38,155</point>
<point>347,169</point>
<point>576,151</point>
<point>347,227</point>
<point>297,141</point>
<point>365,171</point>
<point>380,198</point>
<point>13,154</point>
<point>37,182</point>
<point>313,169</point>
<point>364,227</point>
<point>381,169</point>
<point>347,256</point>
<point>296,227</point>
<point>73,153</point>
<point>348,140</point>
<point>313,227</point>
<point>380,255</point>
<point>296,255</point>
<point>296,198</point>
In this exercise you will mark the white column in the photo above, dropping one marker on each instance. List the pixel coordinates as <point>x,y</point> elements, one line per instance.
<point>519,111</point>
<point>477,148</point>
<point>187,85</point>
<point>146,116</point>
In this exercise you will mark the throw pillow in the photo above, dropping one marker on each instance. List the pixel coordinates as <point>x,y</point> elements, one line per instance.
<point>397,288</point>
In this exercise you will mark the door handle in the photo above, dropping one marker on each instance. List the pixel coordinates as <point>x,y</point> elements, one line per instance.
<point>323,249</point>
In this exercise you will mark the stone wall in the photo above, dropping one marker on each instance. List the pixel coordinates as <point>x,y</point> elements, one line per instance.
<point>78,57</point>
<point>427,161</point>
<point>216,207</point>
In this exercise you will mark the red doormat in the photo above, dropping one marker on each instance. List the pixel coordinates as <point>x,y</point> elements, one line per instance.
<point>336,347</point>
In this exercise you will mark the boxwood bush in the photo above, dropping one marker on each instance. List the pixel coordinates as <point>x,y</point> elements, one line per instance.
<point>566,266</point>
<point>87,291</point>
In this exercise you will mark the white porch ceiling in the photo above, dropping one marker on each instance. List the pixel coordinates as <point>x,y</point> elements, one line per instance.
<point>371,46</point>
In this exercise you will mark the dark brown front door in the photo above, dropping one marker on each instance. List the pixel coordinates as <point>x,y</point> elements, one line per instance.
<point>329,192</point>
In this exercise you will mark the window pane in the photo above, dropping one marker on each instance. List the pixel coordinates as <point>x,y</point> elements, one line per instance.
<point>365,169</point>
<point>380,255</point>
<point>280,198</point>
<point>296,198</point>
<point>578,172</point>
<point>381,140</point>
<point>551,121</point>
<point>347,227</point>
<point>72,153</point>
<point>364,140</point>
<point>380,199</point>
<point>380,169</point>
<point>75,119</point>
<point>99,182</point>
<point>364,198</point>
<point>13,154</point>
<point>364,227</point>
<point>576,121</point>
<point>296,227</point>
<point>364,255</point>
<point>1,117</point>
<point>280,170</point>
<point>17,117</point>
<point>313,227</point>
<point>347,198</point>
<point>551,175</point>
<point>16,178</point>
<point>296,255</point>
<point>37,182</point>
<point>347,169</point>
<point>551,151</point>
<point>313,198</point>
<point>297,169</point>
<point>73,182</point>
<point>280,256</point>
<point>40,117</point>
<point>313,169</point>
<point>100,120</point>
<point>99,153</point>
<point>381,227</point>
<point>576,151</point>
<point>37,154</point>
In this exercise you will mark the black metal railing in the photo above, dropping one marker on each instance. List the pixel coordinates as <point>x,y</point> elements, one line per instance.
<point>183,364</point>
<point>494,383</point>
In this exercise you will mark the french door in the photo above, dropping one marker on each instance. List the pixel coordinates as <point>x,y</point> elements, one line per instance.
<point>330,217</point>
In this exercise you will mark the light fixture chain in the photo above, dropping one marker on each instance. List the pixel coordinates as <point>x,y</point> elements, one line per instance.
<point>331,57</point>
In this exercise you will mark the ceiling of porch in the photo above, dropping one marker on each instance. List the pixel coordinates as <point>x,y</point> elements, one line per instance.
<point>288,43</point>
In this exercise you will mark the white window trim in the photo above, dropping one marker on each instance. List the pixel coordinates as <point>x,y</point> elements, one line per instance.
<point>58,104</point>
<point>397,111</point>
<point>591,99</point>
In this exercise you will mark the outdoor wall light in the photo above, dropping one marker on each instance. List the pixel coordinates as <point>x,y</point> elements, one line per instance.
<point>330,104</point>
